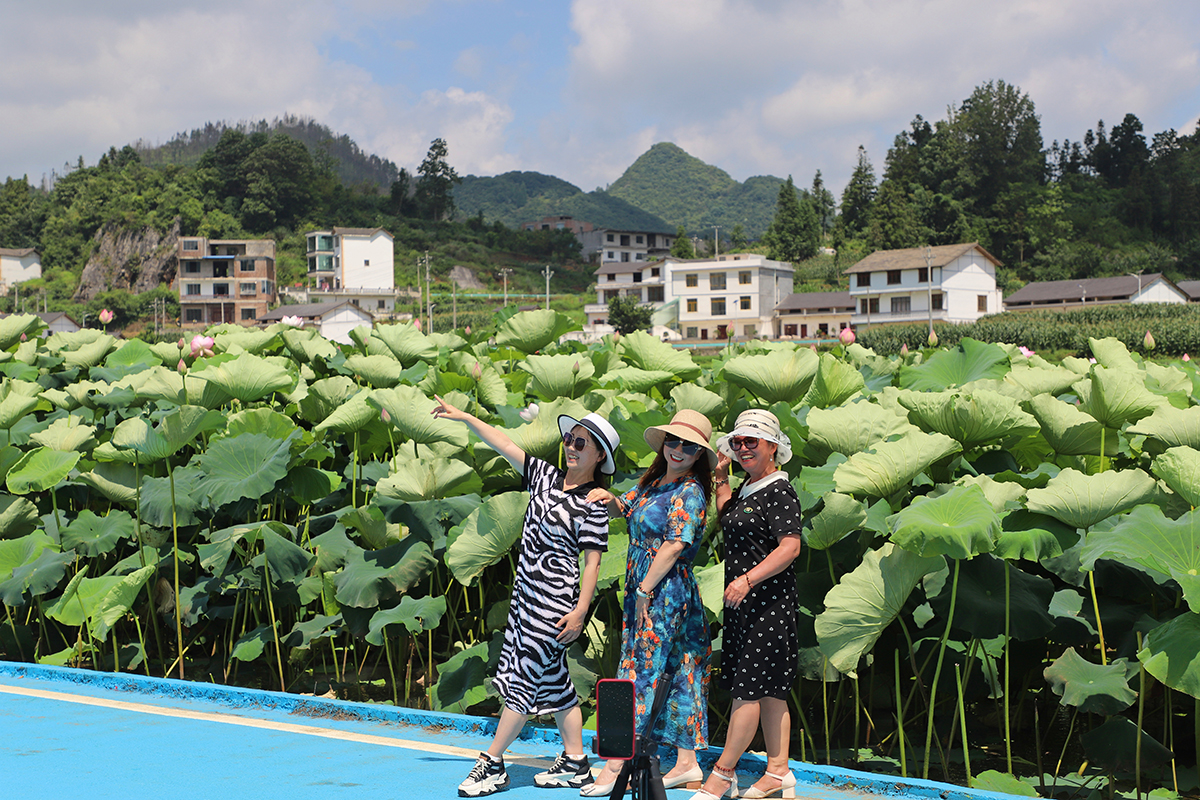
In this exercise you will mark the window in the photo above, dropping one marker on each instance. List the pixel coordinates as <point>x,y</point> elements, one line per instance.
<point>247,313</point>
<point>654,294</point>
<point>901,305</point>
<point>789,330</point>
<point>922,274</point>
<point>869,306</point>
<point>191,244</point>
<point>611,255</point>
<point>381,305</point>
<point>625,257</point>
<point>718,306</point>
<point>247,265</point>
<point>745,302</point>
<point>610,278</point>
<point>937,301</point>
<point>981,303</point>
<point>638,239</point>
<point>366,262</point>
<point>655,272</point>
<point>823,329</point>
<point>609,238</point>
<point>693,306</point>
<point>691,333</point>
<point>750,331</point>
<point>193,315</point>
<point>191,267</point>
<point>744,277</point>
<point>221,289</point>
<point>716,280</point>
<point>637,277</point>
<point>624,240</point>
<point>862,279</point>
<point>639,257</point>
<point>246,288</point>
<point>704,333</point>
<point>192,288</point>
<point>893,277</point>
<point>691,280</point>
<point>611,294</point>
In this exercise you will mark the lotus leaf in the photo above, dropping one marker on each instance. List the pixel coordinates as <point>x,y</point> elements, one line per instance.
<point>66,433</point>
<point>252,645</point>
<point>1033,537</point>
<point>841,516</point>
<point>892,465</point>
<point>18,516</point>
<point>429,519</point>
<point>14,326</point>
<point>17,552</point>
<point>777,376</point>
<point>632,379</point>
<point>461,680</point>
<point>1146,537</point>
<point>1114,746</point>
<point>308,485</point>
<point>1170,426</point>
<point>854,428</point>
<point>1002,495</point>
<point>1083,500</point>
<point>429,479</point>
<point>40,469</point>
<point>306,345</point>
<point>654,355</point>
<point>980,602</point>
<point>38,576</point>
<point>1100,689</point>
<point>102,601</point>
<point>970,361</point>
<point>247,377</point>
<point>615,558</point>
<point>1171,653</point>
<point>373,576</point>
<point>834,383</point>
<point>243,340</point>
<point>485,536</point>
<point>323,626</point>
<point>696,398</point>
<point>991,780</point>
<point>972,419</point>
<point>558,375</point>
<point>866,600</point>
<point>1070,431</point>
<point>1112,353</point>
<point>960,524</point>
<point>93,535</point>
<point>531,331</point>
<point>14,406</point>
<point>260,420</point>
<point>89,354</point>
<point>247,465</point>
<point>416,616</point>
<point>411,413</point>
<point>1043,380</point>
<point>174,431</point>
<point>1179,468</point>
<point>1119,396</point>
<point>156,507</point>
<point>406,343</point>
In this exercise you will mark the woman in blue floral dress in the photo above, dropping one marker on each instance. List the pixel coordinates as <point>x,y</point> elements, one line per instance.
<point>665,632</point>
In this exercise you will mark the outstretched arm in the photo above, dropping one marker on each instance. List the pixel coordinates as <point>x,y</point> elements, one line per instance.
<point>494,437</point>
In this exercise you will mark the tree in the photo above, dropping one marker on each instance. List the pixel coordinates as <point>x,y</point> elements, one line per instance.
<point>627,315</point>
<point>794,234</point>
<point>823,202</point>
<point>436,180</point>
<point>858,196</point>
<point>894,222</point>
<point>682,248</point>
<point>737,237</point>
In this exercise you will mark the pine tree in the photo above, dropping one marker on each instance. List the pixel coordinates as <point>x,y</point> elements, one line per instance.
<point>435,182</point>
<point>794,234</point>
<point>682,248</point>
<point>858,196</point>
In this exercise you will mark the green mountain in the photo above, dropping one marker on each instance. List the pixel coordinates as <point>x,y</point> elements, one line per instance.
<point>685,191</point>
<point>517,197</point>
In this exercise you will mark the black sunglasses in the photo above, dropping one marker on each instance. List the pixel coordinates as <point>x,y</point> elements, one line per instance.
<point>688,448</point>
<point>578,442</point>
<point>748,442</point>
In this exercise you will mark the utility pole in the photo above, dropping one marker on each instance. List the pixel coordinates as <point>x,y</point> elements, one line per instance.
<point>929,282</point>
<point>716,240</point>
<point>548,273</point>
<point>428,297</point>
<point>504,273</point>
<point>454,301</point>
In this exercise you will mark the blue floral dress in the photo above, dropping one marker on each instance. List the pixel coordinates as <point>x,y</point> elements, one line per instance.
<point>676,645</point>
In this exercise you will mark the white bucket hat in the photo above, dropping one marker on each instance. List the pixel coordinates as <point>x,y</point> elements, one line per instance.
<point>759,424</point>
<point>605,435</point>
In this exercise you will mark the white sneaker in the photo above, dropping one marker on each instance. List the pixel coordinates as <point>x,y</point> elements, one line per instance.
<point>486,777</point>
<point>572,773</point>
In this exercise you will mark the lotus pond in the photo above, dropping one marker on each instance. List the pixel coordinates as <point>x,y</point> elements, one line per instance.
<point>999,583</point>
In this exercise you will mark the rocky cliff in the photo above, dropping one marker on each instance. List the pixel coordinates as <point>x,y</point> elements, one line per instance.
<point>137,259</point>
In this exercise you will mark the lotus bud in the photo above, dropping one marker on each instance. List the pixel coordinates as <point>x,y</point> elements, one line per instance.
<point>417,323</point>
<point>812,347</point>
<point>616,336</point>
<point>529,414</point>
<point>383,415</point>
<point>847,336</point>
<point>293,321</point>
<point>24,337</point>
<point>1148,341</point>
<point>1186,357</point>
<point>182,367</point>
<point>106,316</point>
<point>904,350</point>
<point>1025,351</point>
<point>468,330</point>
<point>933,338</point>
<point>477,371</point>
<point>182,344</point>
<point>575,369</point>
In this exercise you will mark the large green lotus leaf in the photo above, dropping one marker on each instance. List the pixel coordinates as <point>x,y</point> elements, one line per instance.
<point>866,600</point>
<point>173,432</point>
<point>531,331</point>
<point>14,326</point>
<point>854,428</point>
<point>113,481</point>
<point>66,433</point>
<point>892,465</point>
<point>979,602</point>
<point>156,504</point>
<point>776,376</point>
<point>411,413</point>
<point>133,352</point>
<point>307,345</point>
<point>632,379</point>
<point>1070,431</point>
<point>1032,537</point>
<point>654,355</point>
<point>960,524</point>
<point>991,780</point>
<point>1083,500</point>
<point>16,552</point>
<point>1095,688</point>
<point>841,516</point>
<point>373,576</point>
<point>485,536</point>
<point>406,343</point>
<point>248,340</point>
<point>1003,495</point>
<point>1114,747</point>
<point>428,479</point>
<point>18,516</point>
<point>835,383</point>
<point>93,535</point>
<point>215,554</point>
<point>1150,539</point>
<point>1042,380</point>
<point>37,576</point>
<point>354,413</point>
<point>415,615</point>
<point>428,519</point>
<point>260,420</point>
<point>697,398</point>
<point>450,341</point>
<point>247,465</point>
<point>322,626</point>
<point>558,375</point>
<point>1171,653</point>
<point>101,601</point>
<point>253,644</point>
<point>379,371</point>
<point>972,419</point>
<point>1170,426</point>
<point>169,386</point>
<point>1179,468</point>
<point>89,354</point>
<point>247,377</point>
<point>461,680</point>
<point>327,396</point>
<point>40,469</point>
<point>1112,353</point>
<point>1167,380</point>
<point>307,485</point>
<point>15,406</point>
<point>970,361</point>
<point>288,562</point>
<point>1119,396</point>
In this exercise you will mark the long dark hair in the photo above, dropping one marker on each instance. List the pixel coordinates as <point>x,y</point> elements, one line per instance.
<point>701,471</point>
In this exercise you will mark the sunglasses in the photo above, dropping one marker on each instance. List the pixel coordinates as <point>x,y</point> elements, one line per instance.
<point>748,442</point>
<point>578,442</point>
<point>688,448</point>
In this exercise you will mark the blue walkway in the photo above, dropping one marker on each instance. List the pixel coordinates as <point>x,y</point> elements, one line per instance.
<point>74,733</point>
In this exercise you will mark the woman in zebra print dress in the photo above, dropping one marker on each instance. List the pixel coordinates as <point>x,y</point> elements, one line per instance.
<point>549,599</point>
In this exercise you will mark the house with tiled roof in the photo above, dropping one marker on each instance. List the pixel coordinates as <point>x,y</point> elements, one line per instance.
<point>1087,292</point>
<point>334,320</point>
<point>814,315</point>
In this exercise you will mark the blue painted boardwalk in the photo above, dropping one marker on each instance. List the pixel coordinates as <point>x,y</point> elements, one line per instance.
<point>74,733</point>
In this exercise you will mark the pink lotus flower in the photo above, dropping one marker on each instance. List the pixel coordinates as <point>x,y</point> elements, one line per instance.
<point>847,336</point>
<point>24,337</point>
<point>202,345</point>
<point>293,321</point>
<point>904,350</point>
<point>468,330</point>
<point>933,338</point>
<point>529,414</point>
<point>1186,357</point>
<point>417,323</point>
<point>1025,351</point>
<point>1148,341</point>
<point>106,316</point>
<point>812,347</point>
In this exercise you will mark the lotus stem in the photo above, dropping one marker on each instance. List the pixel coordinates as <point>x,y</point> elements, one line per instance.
<point>900,717</point>
<point>1066,741</point>
<point>274,625</point>
<point>1137,753</point>
<point>16,638</point>
<point>175,558</point>
<point>937,672</point>
<point>142,641</point>
<point>825,708</point>
<point>1099,622</point>
<point>857,708</point>
<point>962,721</point>
<point>1007,644</point>
<point>391,668</point>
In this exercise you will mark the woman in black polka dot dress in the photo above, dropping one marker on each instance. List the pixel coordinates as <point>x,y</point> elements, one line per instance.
<point>761,524</point>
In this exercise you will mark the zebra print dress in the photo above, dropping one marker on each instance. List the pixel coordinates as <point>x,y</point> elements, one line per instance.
<point>532,675</point>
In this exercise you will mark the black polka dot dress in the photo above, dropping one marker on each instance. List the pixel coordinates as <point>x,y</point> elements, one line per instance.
<point>759,645</point>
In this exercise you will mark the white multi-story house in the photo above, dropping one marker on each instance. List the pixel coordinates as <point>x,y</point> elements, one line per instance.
<point>18,265</point>
<point>354,264</point>
<point>948,283</point>
<point>624,246</point>
<point>730,296</point>
<point>225,280</point>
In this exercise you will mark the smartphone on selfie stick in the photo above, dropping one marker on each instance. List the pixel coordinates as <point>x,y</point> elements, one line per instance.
<point>616,738</point>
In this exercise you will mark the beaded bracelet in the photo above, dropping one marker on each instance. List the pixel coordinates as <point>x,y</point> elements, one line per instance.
<point>644,595</point>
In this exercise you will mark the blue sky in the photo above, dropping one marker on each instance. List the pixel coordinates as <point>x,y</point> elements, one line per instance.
<point>580,88</point>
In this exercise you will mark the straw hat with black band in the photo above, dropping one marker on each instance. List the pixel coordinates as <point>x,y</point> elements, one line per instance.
<point>688,425</point>
<point>605,435</point>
